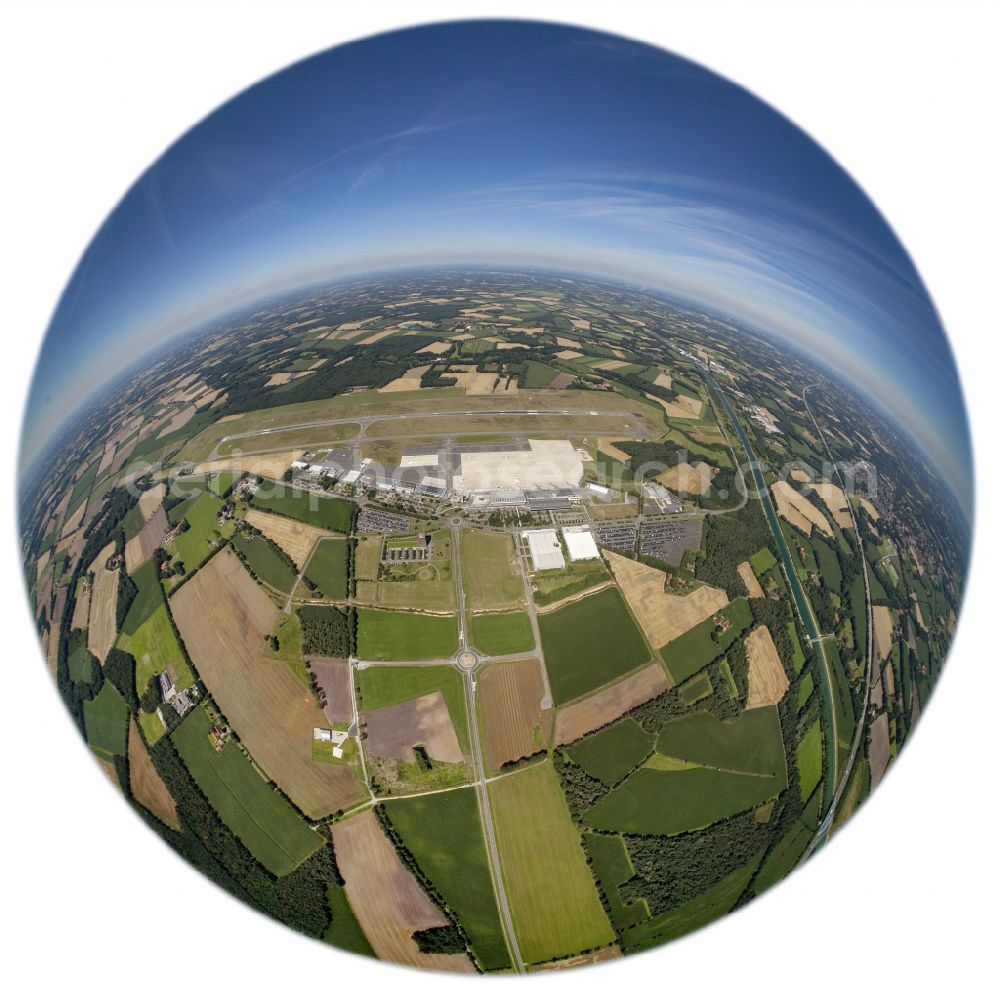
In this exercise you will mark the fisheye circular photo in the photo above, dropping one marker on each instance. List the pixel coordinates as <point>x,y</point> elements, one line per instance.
<point>495,496</point>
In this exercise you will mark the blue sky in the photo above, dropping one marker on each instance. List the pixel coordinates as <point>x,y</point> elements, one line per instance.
<point>514,143</point>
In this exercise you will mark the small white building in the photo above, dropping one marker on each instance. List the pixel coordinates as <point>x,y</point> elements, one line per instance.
<point>546,553</point>
<point>599,489</point>
<point>351,477</point>
<point>580,543</point>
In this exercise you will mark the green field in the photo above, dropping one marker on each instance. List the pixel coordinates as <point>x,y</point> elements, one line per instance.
<point>785,854</point>
<point>202,516</point>
<point>809,758</point>
<point>610,754</point>
<point>502,633</point>
<point>590,643</point>
<point>798,657</point>
<point>106,721</point>
<point>265,561</point>
<point>154,646</point>
<point>693,914</point>
<point>148,598</point>
<point>327,568</point>
<point>751,743</point>
<point>829,564</point>
<point>273,832</point>
<point>490,575</point>
<point>405,636</point>
<point>538,375</point>
<point>704,770</point>
<point>386,686</point>
<point>553,900</point>
<point>344,930</point>
<point>700,645</point>
<point>762,561</point>
<point>306,506</point>
<point>612,867</point>
<point>698,688</point>
<point>653,801</point>
<point>81,661</point>
<point>443,832</point>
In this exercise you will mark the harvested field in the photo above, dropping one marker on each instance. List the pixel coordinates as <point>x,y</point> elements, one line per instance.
<point>393,731</point>
<point>882,621</point>
<point>333,675</point>
<point>437,348</point>
<point>145,781</point>
<point>586,715</point>
<point>567,354</point>
<point>103,602</point>
<point>606,445</point>
<point>510,698</point>
<point>294,537</point>
<point>264,464</point>
<point>178,421</point>
<point>683,407</point>
<point>151,500</point>
<point>692,479</point>
<point>749,579</point>
<point>377,337</point>
<point>878,747</point>
<point>799,511</point>
<point>768,682</point>
<point>836,501</point>
<point>367,557</point>
<point>142,545</point>
<point>664,380</point>
<point>387,900</point>
<point>870,509</point>
<point>616,510</point>
<point>223,617</point>
<point>663,617</point>
<point>610,365</point>
<point>889,680</point>
<point>81,610</point>
<point>73,522</point>
<point>800,476</point>
<point>490,574</point>
<point>569,343</point>
<point>410,381</point>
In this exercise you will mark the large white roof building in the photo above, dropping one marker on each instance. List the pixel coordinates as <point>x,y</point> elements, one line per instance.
<point>580,543</point>
<point>546,553</point>
<point>543,463</point>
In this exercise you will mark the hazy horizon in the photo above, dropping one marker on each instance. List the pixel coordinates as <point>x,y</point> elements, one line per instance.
<point>521,146</point>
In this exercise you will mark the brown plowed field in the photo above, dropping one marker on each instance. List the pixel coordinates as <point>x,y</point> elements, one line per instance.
<point>334,676</point>
<point>142,545</point>
<point>223,617</point>
<point>393,731</point>
<point>145,781</point>
<point>387,900</point>
<point>510,696</point>
<point>576,720</point>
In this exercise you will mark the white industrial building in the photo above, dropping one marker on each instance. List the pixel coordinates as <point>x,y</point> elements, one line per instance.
<point>580,543</point>
<point>543,463</point>
<point>546,553</point>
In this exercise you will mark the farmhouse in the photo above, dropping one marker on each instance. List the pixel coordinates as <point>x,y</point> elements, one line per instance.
<point>546,553</point>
